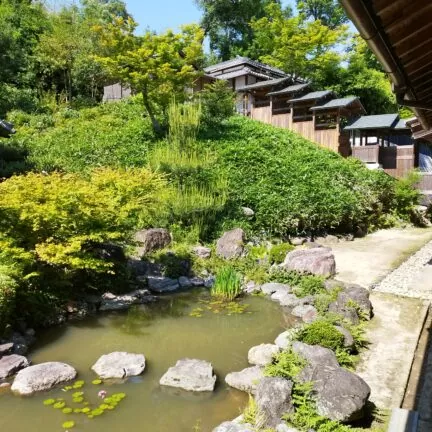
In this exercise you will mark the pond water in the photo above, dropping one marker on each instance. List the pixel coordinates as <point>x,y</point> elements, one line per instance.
<point>164,332</point>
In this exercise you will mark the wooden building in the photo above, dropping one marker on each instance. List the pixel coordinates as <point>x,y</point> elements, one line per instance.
<point>399,34</point>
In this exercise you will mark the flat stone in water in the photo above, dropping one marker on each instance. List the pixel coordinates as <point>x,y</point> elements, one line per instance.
<point>119,365</point>
<point>272,287</point>
<point>41,377</point>
<point>262,355</point>
<point>191,375</point>
<point>12,363</point>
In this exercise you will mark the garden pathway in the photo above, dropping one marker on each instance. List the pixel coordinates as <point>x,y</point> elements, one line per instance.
<point>394,264</point>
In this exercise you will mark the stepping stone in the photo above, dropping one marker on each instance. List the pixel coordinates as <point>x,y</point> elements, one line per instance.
<point>119,365</point>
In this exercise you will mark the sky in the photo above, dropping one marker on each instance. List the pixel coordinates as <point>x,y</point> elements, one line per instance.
<point>160,15</point>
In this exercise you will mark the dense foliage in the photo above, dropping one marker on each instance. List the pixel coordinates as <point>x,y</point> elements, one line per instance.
<point>292,185</point>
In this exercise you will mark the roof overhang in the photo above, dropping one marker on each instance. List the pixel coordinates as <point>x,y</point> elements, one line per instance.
<point>399,33</point>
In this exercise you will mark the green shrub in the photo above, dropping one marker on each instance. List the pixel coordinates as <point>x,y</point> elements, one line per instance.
<point>287,364</point>
<point>279,252</point>
<point>227,284</point>
<point>217,100</point>
<point>309,285</point>
<point>8,287</point>
<point>406,195</point>
<point>322,332</point>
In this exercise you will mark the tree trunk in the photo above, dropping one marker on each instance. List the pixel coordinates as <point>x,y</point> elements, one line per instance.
<point>157,128</point>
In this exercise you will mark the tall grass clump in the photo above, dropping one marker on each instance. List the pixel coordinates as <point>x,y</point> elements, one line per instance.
<point>227,285</point>
<point>201,193</point>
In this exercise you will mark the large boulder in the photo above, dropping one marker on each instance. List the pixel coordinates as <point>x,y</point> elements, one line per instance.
<point>347,312</point>
<point>42,377</point>
<point>262,355</point>
<point>317,261</point>
<point>231,244</point>
<point>231,426</point>
<point>246,380</point>
<point>273,399</point>
<point>284,340</point>
<point>339,394</point>
<point>162,284</point>
<point>119,365</point>
<point>12,363</point>
<point>112,302</point>
<point>191,375</point>
<point>151,240</point>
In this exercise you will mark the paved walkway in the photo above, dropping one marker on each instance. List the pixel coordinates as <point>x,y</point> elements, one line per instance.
<point>396,265</point>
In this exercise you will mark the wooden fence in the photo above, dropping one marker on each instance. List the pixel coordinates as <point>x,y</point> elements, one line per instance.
<point>397,161</point>
<point>367,154</point>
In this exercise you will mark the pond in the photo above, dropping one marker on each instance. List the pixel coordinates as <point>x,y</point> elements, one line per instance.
<point>164,332</point>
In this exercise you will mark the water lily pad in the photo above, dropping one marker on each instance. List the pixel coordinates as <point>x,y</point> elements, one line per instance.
<point>86,410</point>
<point>103,406</point>
<point>67,388</point>
<point>48,402</point>
<point>97,381</point>
<point>77,394</point>
<point>68,424</point>
<point>67,410</point>
<point>78,410</point>
<point>78,384</point>
<point>90,416</point>
<point>97,412</point>
<point>78,400</point>
<point>59,405</point>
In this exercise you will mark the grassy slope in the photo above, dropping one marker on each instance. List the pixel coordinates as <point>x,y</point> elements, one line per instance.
<point>292,184</point>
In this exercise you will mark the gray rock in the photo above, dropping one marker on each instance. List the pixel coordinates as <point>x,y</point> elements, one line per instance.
<point>331,284</point>
<point>151,240</point>
<point>317,261</point>
<point>358,295</point>
<point>11,364</point>
<point>191,375</point>
<point>339,394</point>
<point>245,380</point>
<point>251,287</point>
<point>231,244</point>
<point>202,252</point>
<point>348,339</point>
<point>272,287</point>
<point>184,282</point>
<point>307,313</point>
<point>316,357</point>
<point>5,386</point>
<point>328,239</point>
<point>234,427</point>
<point>162,284</point>
<point>287,300</point>
<point>284,340</point>
<point>119,365</point>
<point>262,355</point>
<point>273,399</point>
<point>42,377</point>
<point>248,212</point>
<point>6,348</point>
<point>348,313</point>
<point>297,241</point>
<point>197,281</point>
<point>112,302</point>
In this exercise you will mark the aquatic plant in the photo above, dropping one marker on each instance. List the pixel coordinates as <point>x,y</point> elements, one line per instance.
<point>86,408</point>
<point>227,284</point>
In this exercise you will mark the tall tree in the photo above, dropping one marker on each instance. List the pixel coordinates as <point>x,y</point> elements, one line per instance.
<point>158,66</point>
<point>329,12</point>
<point>227,24</point>
<point>305,49</point>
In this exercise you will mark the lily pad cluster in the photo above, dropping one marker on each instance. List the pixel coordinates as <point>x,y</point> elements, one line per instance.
<point>80,405</point>
<point>219,306</point>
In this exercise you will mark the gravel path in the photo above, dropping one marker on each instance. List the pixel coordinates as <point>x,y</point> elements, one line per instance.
<point>413,278</point>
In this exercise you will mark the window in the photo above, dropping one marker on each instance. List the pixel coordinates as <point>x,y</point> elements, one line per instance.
<point>301,114</point>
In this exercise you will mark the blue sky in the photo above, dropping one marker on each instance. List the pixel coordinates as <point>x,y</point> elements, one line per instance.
<point>160,15</point>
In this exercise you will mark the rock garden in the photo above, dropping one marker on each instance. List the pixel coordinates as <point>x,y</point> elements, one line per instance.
<point>303,380</point>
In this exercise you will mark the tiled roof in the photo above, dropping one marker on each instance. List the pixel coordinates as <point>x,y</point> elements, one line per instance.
<point>238,61</point>
<point>401,124</point>
<point>381,121</point>
<point>267,83</point>
<point>336,103</point>
<point>291,89</point>
<point>238,73</point>
<point>312,96</point>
